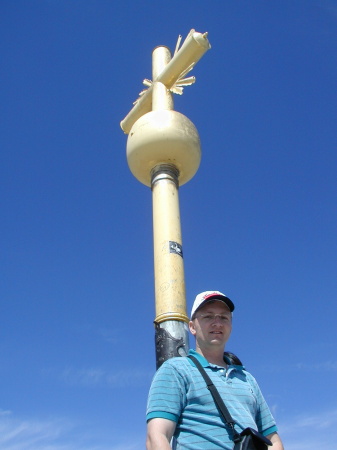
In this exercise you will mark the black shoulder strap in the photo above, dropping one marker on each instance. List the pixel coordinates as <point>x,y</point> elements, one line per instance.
<point>215,394</point>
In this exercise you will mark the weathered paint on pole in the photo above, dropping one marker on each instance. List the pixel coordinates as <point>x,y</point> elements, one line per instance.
<point>163,152</point>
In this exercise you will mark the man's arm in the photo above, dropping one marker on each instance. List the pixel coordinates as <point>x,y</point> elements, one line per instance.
<point>159,434</point>
<point>276,440</point>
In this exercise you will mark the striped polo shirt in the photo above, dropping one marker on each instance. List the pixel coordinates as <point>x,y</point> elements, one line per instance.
<point>179,393</point>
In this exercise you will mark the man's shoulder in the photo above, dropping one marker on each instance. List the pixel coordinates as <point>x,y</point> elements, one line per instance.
<point>177,362</point>
<point>176,368</point>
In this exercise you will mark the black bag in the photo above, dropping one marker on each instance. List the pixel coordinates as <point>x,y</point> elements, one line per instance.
<point>248,439</point>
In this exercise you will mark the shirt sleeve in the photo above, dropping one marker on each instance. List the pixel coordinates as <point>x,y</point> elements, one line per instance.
<point>167,395</point>
<point>264,418</point>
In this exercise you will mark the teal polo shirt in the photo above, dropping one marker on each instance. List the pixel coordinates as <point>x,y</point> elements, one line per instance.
<point>179,393</point>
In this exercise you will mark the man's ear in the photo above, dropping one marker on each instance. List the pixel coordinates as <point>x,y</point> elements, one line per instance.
<point>191,327</point>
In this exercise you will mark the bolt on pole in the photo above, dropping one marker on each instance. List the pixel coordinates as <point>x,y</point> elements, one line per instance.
<point>163,152</point>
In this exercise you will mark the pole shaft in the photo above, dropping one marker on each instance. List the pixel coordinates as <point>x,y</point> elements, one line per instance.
<point>168,255</point>
<point>171,319</point>
<point>161,96</point>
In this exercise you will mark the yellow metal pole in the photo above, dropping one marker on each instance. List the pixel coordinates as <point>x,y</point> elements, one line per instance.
<point>168,251</point>
<point>163,152</point>
<point>171,320</point>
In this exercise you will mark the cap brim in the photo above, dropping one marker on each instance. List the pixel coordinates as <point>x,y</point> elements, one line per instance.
<point>228,302</point>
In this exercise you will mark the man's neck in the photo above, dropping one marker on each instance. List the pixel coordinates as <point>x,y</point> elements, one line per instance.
<point>213,356</point>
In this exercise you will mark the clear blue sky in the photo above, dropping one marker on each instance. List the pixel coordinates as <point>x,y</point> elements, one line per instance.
<point>259,218</point>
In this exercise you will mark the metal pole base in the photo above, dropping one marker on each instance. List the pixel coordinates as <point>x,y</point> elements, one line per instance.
<point>171,339</point>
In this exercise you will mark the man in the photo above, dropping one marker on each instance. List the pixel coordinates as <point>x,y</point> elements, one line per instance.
<point>180,405</point>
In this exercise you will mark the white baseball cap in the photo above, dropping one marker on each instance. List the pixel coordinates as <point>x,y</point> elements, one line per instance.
<point>207,296</point>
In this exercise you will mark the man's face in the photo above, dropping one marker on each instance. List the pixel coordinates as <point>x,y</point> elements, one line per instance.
<point>212,325</point>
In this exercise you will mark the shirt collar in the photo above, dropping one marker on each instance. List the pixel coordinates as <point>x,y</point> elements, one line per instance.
<point>203,361</point>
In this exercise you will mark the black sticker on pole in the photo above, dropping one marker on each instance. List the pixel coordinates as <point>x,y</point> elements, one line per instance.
<point>176,248</point>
